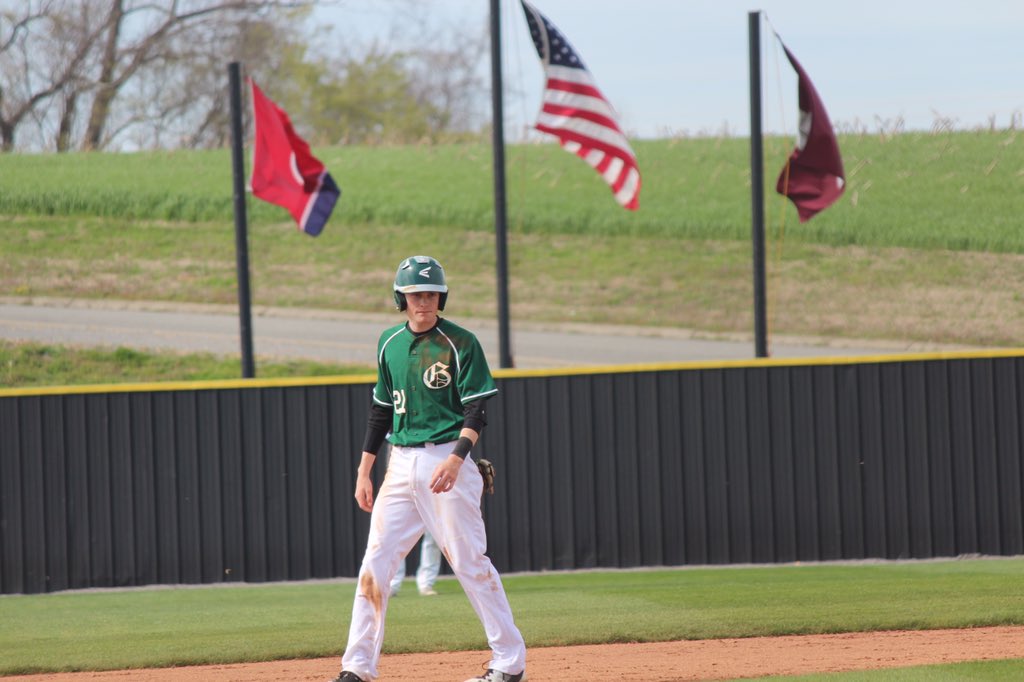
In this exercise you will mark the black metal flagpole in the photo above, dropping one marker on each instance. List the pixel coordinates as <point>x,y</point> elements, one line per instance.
<point>500,219</point>
<point>241,238</point>
<point>757,186</point>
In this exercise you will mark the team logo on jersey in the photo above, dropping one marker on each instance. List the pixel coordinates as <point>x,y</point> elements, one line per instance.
<point>437,376</point>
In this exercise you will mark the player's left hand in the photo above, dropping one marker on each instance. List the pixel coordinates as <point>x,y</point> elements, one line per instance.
<point>445,474</point>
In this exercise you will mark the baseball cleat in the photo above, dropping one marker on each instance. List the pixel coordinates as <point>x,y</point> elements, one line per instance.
<point>428,592</point>
<point>346,676</point>
<point>497,676</point>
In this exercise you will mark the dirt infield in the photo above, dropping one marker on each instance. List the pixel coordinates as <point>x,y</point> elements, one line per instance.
<point>660,662</point>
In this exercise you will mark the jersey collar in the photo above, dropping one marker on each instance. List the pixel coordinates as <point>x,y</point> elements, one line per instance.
<point>409,329</point>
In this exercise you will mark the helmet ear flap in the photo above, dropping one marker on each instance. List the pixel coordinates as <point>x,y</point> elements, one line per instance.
<point>442,300</point>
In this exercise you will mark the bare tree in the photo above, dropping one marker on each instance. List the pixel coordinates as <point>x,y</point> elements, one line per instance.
<point>114,74</point>
<point>164,30</point>
<point>34,28</point>
<point>86,51</point>
<point>106,87</point>
<point>183,102</point>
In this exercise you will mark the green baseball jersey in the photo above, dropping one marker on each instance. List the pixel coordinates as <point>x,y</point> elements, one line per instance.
<point>428,378</point>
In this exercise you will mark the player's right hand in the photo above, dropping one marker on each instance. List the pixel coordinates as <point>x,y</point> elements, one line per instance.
<point>364,493</point>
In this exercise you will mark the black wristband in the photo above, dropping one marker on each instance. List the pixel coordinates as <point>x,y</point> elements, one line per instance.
<point>462,447</point>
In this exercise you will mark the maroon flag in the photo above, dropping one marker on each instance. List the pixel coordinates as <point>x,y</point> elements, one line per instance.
<point>284,172</point>
<point>813,177</point>
<point>576,112</point>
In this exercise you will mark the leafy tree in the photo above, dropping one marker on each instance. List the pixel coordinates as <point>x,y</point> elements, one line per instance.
<point>381,95</point>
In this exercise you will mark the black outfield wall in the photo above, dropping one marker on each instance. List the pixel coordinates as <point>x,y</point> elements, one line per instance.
<point>698,463</point>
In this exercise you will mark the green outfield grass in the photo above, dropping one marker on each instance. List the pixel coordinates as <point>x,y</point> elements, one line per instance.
<point>950,190</point>
<point>977,671</point>
<point>162,627</point>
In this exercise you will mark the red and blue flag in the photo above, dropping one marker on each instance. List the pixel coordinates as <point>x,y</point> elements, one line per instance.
<point>284,171</point>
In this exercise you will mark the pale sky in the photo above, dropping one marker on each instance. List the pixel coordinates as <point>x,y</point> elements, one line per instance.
<point>682,66</point>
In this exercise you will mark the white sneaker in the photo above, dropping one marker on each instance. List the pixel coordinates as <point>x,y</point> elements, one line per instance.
<point>428,592</point>
<point>497,676</point>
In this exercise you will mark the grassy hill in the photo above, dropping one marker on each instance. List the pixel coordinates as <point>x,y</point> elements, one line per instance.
<point>924,247</point>
<point>951,190</point>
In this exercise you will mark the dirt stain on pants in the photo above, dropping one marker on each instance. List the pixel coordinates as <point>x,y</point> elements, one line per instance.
<point>369,589</point>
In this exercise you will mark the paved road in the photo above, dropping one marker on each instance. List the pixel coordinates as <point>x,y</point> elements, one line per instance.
<point>351,338</point>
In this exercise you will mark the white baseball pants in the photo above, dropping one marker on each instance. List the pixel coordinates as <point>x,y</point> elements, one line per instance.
<point>403,509</point>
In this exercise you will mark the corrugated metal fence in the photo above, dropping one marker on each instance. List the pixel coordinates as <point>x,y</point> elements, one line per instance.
<point>762,461</point>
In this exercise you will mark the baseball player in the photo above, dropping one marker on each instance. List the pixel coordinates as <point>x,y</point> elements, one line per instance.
<point>432,388</point>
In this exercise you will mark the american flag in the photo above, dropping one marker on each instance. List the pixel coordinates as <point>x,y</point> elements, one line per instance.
<point>576,112</point>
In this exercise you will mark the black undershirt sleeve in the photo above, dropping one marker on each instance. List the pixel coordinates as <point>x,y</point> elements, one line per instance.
<point>377,426</point>
<point>474,415</point>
